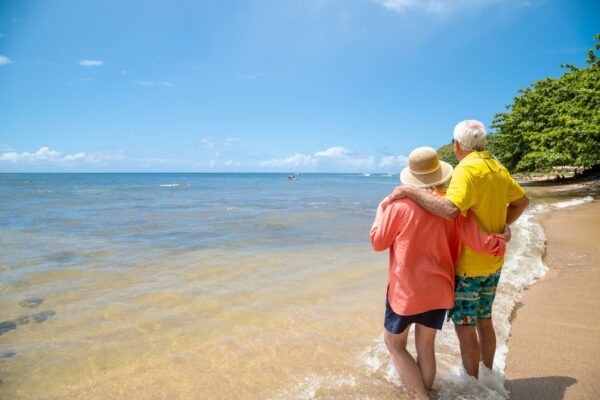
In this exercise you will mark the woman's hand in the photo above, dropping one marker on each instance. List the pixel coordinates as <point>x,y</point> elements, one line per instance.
<point>507,233</point>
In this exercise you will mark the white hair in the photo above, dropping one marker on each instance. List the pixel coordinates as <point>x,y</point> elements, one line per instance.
<point>470,134</point>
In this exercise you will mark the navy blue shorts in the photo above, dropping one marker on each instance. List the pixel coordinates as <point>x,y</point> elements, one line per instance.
<point>395,323</point>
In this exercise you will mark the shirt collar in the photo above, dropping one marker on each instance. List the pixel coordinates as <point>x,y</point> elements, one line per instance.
<point>477,154</point>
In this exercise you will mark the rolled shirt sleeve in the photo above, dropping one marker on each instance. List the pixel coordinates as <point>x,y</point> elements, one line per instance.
<point>515,191</point>
<point>384,231</point>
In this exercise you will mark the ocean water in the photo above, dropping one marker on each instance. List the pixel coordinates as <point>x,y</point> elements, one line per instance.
<point>216,286</point>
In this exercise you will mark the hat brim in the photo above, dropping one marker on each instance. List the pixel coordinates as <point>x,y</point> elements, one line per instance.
<point>438,177</point>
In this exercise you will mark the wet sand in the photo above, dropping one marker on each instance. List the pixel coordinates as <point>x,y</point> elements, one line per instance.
<point>554,350</point>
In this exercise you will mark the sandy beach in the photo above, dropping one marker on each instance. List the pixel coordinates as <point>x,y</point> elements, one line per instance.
<point>554,350</point>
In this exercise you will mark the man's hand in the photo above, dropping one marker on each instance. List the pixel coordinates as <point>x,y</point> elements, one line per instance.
<point>385,202</point>
<point>400,192</point>
<point>507,233</point>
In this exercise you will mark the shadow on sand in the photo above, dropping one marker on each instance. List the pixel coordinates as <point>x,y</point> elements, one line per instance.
<point>547,388</point>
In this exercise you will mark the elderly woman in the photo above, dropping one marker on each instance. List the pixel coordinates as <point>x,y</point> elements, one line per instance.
<point>423,250</point>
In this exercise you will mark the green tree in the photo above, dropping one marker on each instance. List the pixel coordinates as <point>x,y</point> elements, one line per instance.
<point>554,122</point>
<point>446,153</point>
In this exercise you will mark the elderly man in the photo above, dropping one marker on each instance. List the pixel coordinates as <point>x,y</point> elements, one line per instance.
<point>479,183</point>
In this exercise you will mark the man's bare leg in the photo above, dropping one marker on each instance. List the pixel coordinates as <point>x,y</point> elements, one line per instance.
<point>425,344</point>
<point>407,367</point>
<point>469,348</point>
<point>487,341</point>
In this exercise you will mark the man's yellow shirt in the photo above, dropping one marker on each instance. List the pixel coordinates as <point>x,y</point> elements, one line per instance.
<point>480,183</point>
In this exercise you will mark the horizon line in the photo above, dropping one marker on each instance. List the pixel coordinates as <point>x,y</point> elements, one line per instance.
<point>198,172</point>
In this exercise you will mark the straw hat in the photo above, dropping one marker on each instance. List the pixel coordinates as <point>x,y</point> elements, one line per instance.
<point>425,169</point>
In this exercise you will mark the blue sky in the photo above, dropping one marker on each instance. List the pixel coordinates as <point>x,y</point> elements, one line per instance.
<point>290,86</point>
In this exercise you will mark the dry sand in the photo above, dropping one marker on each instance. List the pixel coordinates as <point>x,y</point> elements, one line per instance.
<point>554,350</point>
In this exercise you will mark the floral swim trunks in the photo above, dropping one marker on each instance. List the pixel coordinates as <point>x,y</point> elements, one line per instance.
<point>473,298</point>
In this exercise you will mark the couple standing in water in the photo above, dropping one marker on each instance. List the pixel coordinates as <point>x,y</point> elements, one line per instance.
<point>446,231</point>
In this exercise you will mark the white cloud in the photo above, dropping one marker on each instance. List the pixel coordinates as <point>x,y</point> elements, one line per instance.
<point>45,154</point>
<point>167,84</point>
<point>432,6</point>
<point>4,60</point>
<point>335,152</point>
<point>297,160</point>
<point>336,157</point>
<point>341,155</point>
<point>90,63</point>
<point>74,157</point>
<point>207,144</point>
<point>393,161</point>
<point>230,141</point>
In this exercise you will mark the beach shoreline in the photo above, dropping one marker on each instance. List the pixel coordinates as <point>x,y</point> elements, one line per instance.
<point>554,347</point>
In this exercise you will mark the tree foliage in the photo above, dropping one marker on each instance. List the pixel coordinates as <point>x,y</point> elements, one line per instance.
<point>554,122</point>
<point>446,153</point>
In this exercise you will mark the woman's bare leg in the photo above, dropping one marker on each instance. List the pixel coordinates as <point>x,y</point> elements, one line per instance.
<point>425,344</point>
<point>407,367</point>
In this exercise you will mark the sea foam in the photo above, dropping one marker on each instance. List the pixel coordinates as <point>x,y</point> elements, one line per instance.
<point>573,202</point>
